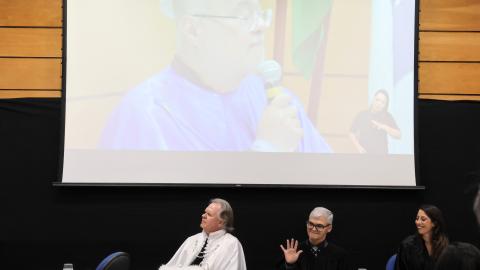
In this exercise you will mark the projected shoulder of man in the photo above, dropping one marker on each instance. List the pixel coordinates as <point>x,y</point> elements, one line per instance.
<point>214,94</point>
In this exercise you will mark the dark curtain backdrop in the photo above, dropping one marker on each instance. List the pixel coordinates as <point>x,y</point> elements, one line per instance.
<point>43,226</point>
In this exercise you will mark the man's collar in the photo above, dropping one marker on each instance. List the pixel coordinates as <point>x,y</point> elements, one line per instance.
<point>215,235</point>
<point>323,244</point>
<point>189,74</point>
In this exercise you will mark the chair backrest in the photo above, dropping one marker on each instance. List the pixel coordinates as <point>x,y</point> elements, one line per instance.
<point>115,261</point>
<point>391,262</point>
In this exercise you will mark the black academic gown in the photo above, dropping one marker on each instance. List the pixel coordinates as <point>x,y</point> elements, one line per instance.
<point>328,257</point>
<point>413,255</point>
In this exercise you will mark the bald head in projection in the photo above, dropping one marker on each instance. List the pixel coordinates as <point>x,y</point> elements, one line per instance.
<point>221,41</point>
<point>211,97</point>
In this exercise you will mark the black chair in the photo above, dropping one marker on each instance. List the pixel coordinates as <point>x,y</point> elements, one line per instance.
<point>115,261</point>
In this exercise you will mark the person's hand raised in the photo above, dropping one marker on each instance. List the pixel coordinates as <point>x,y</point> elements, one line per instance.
<point>290,252</point>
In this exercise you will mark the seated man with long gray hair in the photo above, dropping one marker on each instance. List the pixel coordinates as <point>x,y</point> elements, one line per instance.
<point>214,248</point>
<point>316,252</point>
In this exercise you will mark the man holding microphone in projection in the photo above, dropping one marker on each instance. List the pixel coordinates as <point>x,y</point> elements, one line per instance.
<point>213,97</point>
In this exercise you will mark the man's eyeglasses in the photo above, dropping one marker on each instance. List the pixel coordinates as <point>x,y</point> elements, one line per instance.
<point>249,23</point>
<point>317,227</point>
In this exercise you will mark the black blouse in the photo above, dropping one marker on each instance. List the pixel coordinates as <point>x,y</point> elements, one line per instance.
<point>413,255</point>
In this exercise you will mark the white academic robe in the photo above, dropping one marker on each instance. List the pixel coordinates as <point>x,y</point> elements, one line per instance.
<point>223,252</point>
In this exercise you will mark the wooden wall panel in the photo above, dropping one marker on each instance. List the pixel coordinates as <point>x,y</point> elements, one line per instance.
<point>31,42</point>
<point>26,73</point>
<point>451,97</point>
<point>30,48</point>
<point>4,94</point>
<point>450,15</point>
<point>37,13</point>
<point>449,50</point>
<point>449,78</point>
<point>449,46</point>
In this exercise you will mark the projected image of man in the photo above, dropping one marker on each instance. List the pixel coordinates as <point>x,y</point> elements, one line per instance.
<point>211,97</point>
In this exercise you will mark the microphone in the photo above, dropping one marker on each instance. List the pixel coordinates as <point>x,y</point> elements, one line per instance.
<point>271,73</point>
<point>279,128</point>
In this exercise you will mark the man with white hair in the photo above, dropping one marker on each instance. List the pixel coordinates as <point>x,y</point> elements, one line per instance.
<point>211,97</point>
<point>316,253</point>
<point>214,248</point>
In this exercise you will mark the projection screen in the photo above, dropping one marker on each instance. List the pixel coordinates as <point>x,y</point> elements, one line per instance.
<point>241,92</point>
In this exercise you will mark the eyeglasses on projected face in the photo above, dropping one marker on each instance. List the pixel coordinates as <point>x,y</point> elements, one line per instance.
<point>317,227</point>
<point>249,23</point>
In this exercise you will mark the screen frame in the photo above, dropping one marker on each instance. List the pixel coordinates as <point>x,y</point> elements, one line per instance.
<point>59,183</point>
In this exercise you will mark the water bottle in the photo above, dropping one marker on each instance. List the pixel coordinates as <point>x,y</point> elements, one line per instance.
<point>67,266</point>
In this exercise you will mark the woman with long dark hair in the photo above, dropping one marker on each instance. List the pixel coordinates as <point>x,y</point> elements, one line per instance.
<point>421,250</point>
